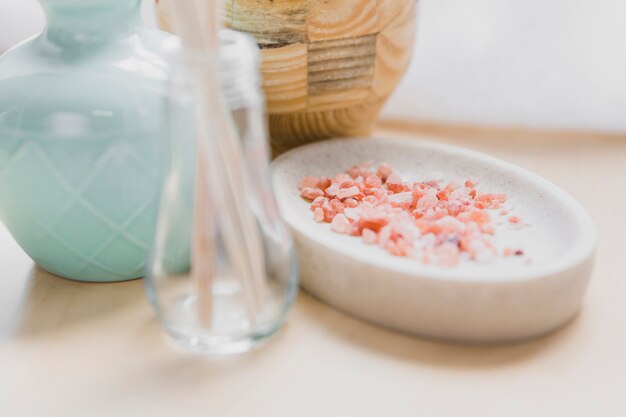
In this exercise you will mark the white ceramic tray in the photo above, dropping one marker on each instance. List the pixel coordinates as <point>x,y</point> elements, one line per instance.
<point>504,300</point>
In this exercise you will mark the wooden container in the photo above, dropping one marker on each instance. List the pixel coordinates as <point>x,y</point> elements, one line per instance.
<point>328,66</point>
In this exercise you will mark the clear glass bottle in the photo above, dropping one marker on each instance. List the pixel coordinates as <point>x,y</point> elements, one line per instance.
<point>180,295</point>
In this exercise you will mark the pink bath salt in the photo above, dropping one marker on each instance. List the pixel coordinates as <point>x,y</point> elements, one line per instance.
<point>455,208</point>
<point>398,247</point>
<point>401,198</point>
<point>340,224</point>
<point>332,190</point>
<point>384,170</point>
<point>352,213</point>
<point>308,182</point>
<point>311,193</point>
<point>431,221</point>
<point>384,235</point>
<point>373,223</point>
<point>481,251</point>
<point>500,198</point>
<point>438,213</point>
<point>348,192</point>
<point>370,199</point>
<point>394,183</point>
<point>329,215</point>
<point>380,194</point>
<point>369,236</point>
<point>317,202</point>
<point>351,184</point>
<point>479,216</point>
<point>324,183</point>
<point>318,215</point>
<point>447,254</point>
<point>408,231</point>
<point>450,224</point>
<point>491,200</point>
<point>373,181</point>
<point>488,229</point>
<point>339,178</point>
<point>336,205</point>
<point>427,202</point>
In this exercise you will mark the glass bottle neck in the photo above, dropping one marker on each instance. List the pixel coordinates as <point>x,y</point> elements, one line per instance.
<point>76,22</point>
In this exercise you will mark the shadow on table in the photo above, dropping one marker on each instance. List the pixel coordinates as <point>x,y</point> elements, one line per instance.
<point>51,304</point>
<point>426,351</point>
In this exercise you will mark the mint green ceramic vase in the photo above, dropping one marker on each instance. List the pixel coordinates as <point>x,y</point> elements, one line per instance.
<point>81,139</point>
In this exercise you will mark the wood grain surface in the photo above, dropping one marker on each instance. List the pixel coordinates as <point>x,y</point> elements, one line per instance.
<point>328,66</point>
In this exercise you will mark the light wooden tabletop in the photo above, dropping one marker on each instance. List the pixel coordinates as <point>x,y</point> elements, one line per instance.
<point>76,349</point>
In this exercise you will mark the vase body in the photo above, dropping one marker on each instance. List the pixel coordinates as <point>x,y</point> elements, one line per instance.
<point>80,146</point>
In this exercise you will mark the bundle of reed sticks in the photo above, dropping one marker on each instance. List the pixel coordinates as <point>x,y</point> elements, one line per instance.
<point>221,190</point>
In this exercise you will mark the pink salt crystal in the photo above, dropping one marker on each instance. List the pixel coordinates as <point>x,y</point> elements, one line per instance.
<point>349,183</point>
<point>318,202</point>
<point>329,215</point>
<point>384,235</point>
<point>404,197</point>
<point>488,229</point>
<point>348,192</point>
<point>374,223</point>
<point>339,178</point>
<point>380,194</point>
<point>427,202</point>
<point>318,215</point>
<point>408,231</point>
<point>354,171</point>
<point>397,248</point>
<point>340,224</point>
<point>447,254</point>
<point>451,224</point>
<point>352,213</point>
<point>428,221</point>
<point>369,236</point>
<point>373,182</point>
<point>311,193</point>
<point>336,205</point>
<point>324,183</point>
<point>480,251</point>
<point>308,182</point>
<point>479,216</point>
<point>332,190</point>
<point>384,170</point>
<point>394,183</point>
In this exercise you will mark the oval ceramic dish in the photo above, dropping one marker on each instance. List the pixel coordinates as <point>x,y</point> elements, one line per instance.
<point>507,299</point>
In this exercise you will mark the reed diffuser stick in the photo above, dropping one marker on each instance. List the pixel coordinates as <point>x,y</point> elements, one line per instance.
<point>203,249</point>
<point>197,23</point>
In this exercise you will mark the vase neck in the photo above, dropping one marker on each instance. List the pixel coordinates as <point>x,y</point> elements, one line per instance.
<point>87,22</point>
